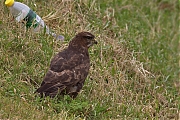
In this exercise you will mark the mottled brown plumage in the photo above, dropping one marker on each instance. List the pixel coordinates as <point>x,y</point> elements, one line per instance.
<point>69,68</point>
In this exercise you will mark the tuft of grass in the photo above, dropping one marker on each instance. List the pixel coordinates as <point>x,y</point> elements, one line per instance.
<point>134,70</point>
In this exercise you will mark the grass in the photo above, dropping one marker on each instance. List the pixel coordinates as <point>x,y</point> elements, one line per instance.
<point>134,69</point>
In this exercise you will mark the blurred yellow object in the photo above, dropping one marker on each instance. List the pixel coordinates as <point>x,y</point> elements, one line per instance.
<point>9,3</point>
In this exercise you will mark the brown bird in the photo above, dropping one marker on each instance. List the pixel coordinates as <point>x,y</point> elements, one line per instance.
<point>69,68</point>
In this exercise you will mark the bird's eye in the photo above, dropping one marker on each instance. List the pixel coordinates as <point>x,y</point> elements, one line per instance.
<point>88,37</point>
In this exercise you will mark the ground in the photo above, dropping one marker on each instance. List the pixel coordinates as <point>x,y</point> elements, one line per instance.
<point>134,70</point>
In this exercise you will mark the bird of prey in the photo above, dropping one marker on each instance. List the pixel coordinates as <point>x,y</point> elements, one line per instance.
<point>69,68</point>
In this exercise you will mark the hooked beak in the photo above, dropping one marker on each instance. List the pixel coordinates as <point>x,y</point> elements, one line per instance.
<point>95,42</point>
<point>92,42</point>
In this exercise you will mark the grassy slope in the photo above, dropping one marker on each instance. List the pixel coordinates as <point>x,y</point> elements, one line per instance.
<point>134,71</point>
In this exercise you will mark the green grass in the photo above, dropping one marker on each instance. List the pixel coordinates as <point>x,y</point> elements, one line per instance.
<point>134,69</point>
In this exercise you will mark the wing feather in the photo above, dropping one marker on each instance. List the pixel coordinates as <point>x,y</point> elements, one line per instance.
<point>67,70</point>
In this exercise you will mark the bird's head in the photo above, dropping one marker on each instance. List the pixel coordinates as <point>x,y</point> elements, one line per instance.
<point>83,39</point>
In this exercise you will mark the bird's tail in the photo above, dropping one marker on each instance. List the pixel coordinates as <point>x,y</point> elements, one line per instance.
<point>50,90</point>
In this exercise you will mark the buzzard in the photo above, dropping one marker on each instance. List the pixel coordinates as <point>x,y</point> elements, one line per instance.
<point>69,68</point>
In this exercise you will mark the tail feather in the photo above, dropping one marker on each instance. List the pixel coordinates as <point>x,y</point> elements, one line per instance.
<point>50,89</point>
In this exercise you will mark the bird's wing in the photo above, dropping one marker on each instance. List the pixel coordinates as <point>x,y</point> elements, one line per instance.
<point>65,70</point>
<point>51,81</point>
<point>66,60</point>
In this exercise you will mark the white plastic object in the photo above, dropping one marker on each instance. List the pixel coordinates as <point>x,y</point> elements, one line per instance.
<point>22,12</point>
